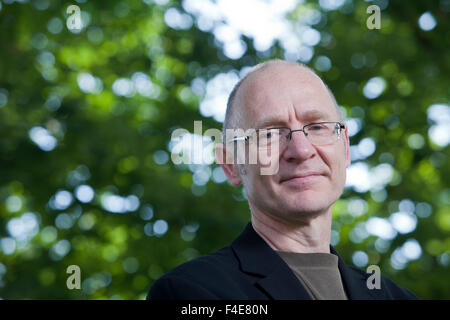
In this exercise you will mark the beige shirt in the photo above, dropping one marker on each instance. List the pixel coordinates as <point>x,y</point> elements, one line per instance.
<point>318,273</point>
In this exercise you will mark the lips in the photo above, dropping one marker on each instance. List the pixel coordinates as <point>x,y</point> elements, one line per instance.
<point>305,176</point>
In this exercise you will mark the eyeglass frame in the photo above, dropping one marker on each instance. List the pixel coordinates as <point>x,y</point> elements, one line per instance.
<point>289,136</point>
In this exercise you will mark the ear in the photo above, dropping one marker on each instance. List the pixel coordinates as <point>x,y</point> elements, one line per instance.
<point>347,148</point>
<point>226,161</point>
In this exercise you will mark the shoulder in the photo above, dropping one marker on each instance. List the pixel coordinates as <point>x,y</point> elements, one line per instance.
<point>199,278</point>
<point>388,288</point>
<point>211,263</point>
<point>397,292</point>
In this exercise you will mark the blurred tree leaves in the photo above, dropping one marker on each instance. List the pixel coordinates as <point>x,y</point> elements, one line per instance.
<point>105,101</point>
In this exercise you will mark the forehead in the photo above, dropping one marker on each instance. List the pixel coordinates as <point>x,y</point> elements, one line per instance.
<point>282,94</point>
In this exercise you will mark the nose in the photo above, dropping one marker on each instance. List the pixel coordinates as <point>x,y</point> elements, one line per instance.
<point>298,148</point>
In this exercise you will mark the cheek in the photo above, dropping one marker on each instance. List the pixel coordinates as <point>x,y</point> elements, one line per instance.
<point>340,172</point>
<point>335,160</point>
<point>257,184</point>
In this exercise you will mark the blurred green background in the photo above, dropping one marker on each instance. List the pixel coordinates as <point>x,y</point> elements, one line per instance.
<point>86,116</point>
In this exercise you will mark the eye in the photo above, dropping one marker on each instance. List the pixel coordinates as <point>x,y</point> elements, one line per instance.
<point>317,127</point>
<point>267,135</point>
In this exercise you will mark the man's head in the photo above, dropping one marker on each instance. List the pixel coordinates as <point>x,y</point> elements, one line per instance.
<point>288,94</point>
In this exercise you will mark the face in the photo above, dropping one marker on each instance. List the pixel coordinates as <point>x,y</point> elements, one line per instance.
<point>310,178</point>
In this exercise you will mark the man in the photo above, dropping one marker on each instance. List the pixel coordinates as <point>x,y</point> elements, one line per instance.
<point>285,252</point>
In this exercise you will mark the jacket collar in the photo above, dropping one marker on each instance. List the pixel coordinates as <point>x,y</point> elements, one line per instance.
<point>275,277</point>
<point>272,274</point>
<point>355,282</point>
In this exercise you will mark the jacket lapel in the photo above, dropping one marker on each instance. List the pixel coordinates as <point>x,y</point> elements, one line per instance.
<point>355,282</point>
<point>282,284</point>
<point>271,273</point>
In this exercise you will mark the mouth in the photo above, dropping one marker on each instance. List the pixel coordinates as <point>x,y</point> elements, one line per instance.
<point>303,178</point>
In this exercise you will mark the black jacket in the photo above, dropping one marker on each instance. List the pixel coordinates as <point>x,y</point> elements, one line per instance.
<point>250,269</point>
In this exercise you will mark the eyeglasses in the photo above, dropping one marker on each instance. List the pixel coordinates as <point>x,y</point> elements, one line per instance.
<point>319,133</point>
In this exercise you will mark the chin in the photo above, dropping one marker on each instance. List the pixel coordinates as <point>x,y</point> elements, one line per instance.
<point>294,215</point>
<point>309,203</point>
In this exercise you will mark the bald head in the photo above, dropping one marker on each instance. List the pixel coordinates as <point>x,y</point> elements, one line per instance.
<point>233,116</point>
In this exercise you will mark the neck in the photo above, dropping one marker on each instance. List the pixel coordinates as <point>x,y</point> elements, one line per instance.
<point>308,236</point>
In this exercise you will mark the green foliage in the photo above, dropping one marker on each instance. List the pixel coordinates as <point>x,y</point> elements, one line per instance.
<point>118,145</point>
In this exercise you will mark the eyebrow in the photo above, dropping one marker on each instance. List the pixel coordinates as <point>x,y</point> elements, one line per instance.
<point>308,116</point>
<point>313,115</point>
<point>270,122</point>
